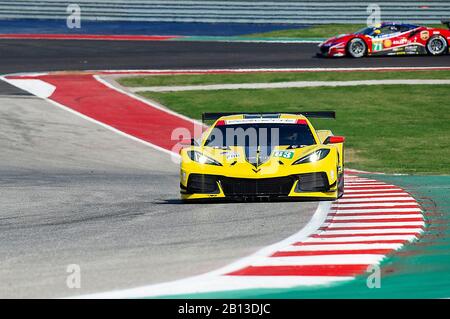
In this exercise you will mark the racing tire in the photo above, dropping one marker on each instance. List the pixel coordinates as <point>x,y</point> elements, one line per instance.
<point>357,48</point>
<point>437,45</point>
<point>340,185</point>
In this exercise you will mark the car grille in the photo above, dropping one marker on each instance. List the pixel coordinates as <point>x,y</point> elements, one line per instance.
<point>280,186</point>
<point>202,184</point>
<point>313,182</point>
<point>324,49</point>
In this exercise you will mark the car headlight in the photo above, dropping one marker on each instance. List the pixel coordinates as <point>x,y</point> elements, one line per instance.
<point>313,157</point>
<point>339,45</point>
<point>202,159</point>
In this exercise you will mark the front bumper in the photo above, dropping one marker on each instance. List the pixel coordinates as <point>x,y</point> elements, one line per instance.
<point>331,51</point>
<point>308,185</point>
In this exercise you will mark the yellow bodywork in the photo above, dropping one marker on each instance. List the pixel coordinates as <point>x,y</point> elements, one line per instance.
<point>236,166</point>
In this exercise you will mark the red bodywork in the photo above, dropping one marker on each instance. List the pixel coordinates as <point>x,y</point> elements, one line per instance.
<point>409,39</point>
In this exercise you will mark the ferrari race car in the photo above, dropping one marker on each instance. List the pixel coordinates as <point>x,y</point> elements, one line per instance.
<point>388,39</point>
<point>263,156</point>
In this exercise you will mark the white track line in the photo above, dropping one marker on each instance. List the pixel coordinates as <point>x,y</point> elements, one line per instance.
<point>376,199</point>
<point>370,232</point>
<point>368,205</point>
<point>337,217</point>
<point>215,281</point>
<point>342,247</point>
<point>284,85</point>
<point>156,147</point>
<point>224,283</point>
<point>372,186</point>
<point>374,195</point>
<point>373,239</point>
<point>375,211</point>
<point>373,191</point>
<point>362,259</point>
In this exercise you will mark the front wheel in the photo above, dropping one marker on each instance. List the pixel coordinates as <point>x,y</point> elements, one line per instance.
<point>357,48</point>
<point>340,185</point>
<point>437,45</point>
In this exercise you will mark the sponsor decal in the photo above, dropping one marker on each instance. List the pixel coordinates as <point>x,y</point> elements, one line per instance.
<point>284,154</point>
<point>387,43</point>
<point>424,35</point>
<point>231,155</point>
<point>400,41</point>
<point>412,49</point>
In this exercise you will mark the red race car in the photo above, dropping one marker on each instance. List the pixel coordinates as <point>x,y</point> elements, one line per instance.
<point>389,38</point>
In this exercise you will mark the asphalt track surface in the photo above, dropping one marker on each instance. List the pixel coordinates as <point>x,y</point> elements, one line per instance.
<point>56,55</point>
<point>73,192</point>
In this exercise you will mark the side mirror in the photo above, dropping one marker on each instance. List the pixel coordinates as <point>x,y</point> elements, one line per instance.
<point>334,140</point>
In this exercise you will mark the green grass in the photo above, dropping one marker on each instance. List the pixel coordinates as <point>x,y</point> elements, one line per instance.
<point>165,80</point>
<point>393,129</point>
<point>317,31</point>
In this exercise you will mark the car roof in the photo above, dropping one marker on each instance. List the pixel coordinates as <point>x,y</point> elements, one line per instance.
<point>383,24</point>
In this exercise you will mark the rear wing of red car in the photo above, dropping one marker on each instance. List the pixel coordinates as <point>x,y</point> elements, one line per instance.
<point>446,22</point>
<point>315,114</point>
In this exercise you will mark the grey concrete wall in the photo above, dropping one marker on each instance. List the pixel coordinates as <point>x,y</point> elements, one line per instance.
<point>249,11</point>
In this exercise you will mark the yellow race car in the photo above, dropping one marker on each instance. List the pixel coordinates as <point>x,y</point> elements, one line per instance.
<point>263,156</point>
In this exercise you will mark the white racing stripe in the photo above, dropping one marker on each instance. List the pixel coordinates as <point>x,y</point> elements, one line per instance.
<point>342,247</point>
<point>364,184</point>
<point>371,186</point>
<point>377,200</point>
<point>362,259</point>
<point>359,182</point>
<point>413,215</point>
<point>218,283</point>
<point>413,229</point>
<point>383,210</point>
<point>278,85</point>
<point>378,224</point>
<point>374,195</point>
<point>359,238</point>
<point>38,88</point>
<point>363,205</point>
<point>371,191</point>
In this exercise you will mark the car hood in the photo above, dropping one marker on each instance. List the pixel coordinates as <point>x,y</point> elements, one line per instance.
<point>338,39</point>
<point>257,157</point>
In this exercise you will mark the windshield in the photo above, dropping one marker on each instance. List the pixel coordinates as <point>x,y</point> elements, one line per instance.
<point>365,31</point>
<point>260,134</point>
